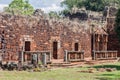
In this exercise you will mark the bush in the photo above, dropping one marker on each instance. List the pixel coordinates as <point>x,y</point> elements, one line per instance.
<point>37,69</point>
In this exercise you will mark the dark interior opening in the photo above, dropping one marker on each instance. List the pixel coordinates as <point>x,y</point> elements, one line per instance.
<point>92,45</point>
<point>55,50</point>
<point>76,46</point>
<point>27,45</point>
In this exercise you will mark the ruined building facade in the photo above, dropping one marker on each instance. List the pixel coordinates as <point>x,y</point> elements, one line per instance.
<point>32,34</point>
<point>20,33</point>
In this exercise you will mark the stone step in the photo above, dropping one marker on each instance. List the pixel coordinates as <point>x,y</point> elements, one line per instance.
<point>62,65</point>
<point>79,64</point>
<point>66,64</point>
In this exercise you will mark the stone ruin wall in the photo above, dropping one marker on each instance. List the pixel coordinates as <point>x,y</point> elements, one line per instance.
<point>113,42</point>
<point>15,30</point>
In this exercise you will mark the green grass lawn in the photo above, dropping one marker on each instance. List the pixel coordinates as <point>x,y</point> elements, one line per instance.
<point>115,75</point>
<point>63,74</point>
<point>58,74</point>
<point>109,76</point>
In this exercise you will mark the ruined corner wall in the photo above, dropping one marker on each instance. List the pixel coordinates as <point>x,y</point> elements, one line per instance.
<point>113,42</point>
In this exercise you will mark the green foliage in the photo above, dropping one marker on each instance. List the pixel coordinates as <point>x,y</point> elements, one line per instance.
<point>64,12</point>
<point>112,2</point>
<point>53,14</point>
<point>21,7</point>
<point>93,5</point>
<point>117,24</point>
<point>71,3</point>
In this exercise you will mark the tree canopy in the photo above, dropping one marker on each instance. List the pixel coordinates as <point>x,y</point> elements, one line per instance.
<point>70,3</point>
<point>93,5</point>
<point>117,24</point>
<point>21,7</point>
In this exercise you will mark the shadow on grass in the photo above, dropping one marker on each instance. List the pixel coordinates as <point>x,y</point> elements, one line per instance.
<point>103,79</point>
<point>108,66</point>
<point>108,77</point>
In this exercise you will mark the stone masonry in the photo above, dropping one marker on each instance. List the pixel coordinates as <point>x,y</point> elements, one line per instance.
<point>32,33</point>
<point>41,33</point>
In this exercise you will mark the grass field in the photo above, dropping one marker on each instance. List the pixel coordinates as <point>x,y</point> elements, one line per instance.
<point>63,74</point>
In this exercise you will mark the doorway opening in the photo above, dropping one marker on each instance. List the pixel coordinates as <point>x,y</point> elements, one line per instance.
<point>27,48</point>
<point>27,45</point>
<point>55,50</point>
<point>76,46</point>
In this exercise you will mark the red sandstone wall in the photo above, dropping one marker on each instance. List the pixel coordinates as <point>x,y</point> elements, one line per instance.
<point>41,34</point>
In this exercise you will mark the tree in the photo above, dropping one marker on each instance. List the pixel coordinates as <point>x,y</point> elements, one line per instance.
<point>112,2</point>
<point>93,5</point>
<point>53,14</point>
<point>21,7</point>
<point>117,23</point>
<point>64,12</point>
<point>70,3</point>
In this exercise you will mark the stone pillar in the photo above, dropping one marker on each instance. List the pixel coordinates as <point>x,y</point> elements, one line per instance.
<point>94,54</point>
<point>44,59</point>
<point>50,55</point>
<point>65,56</point>
<point>58,49</point>
<point>22,57</point>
